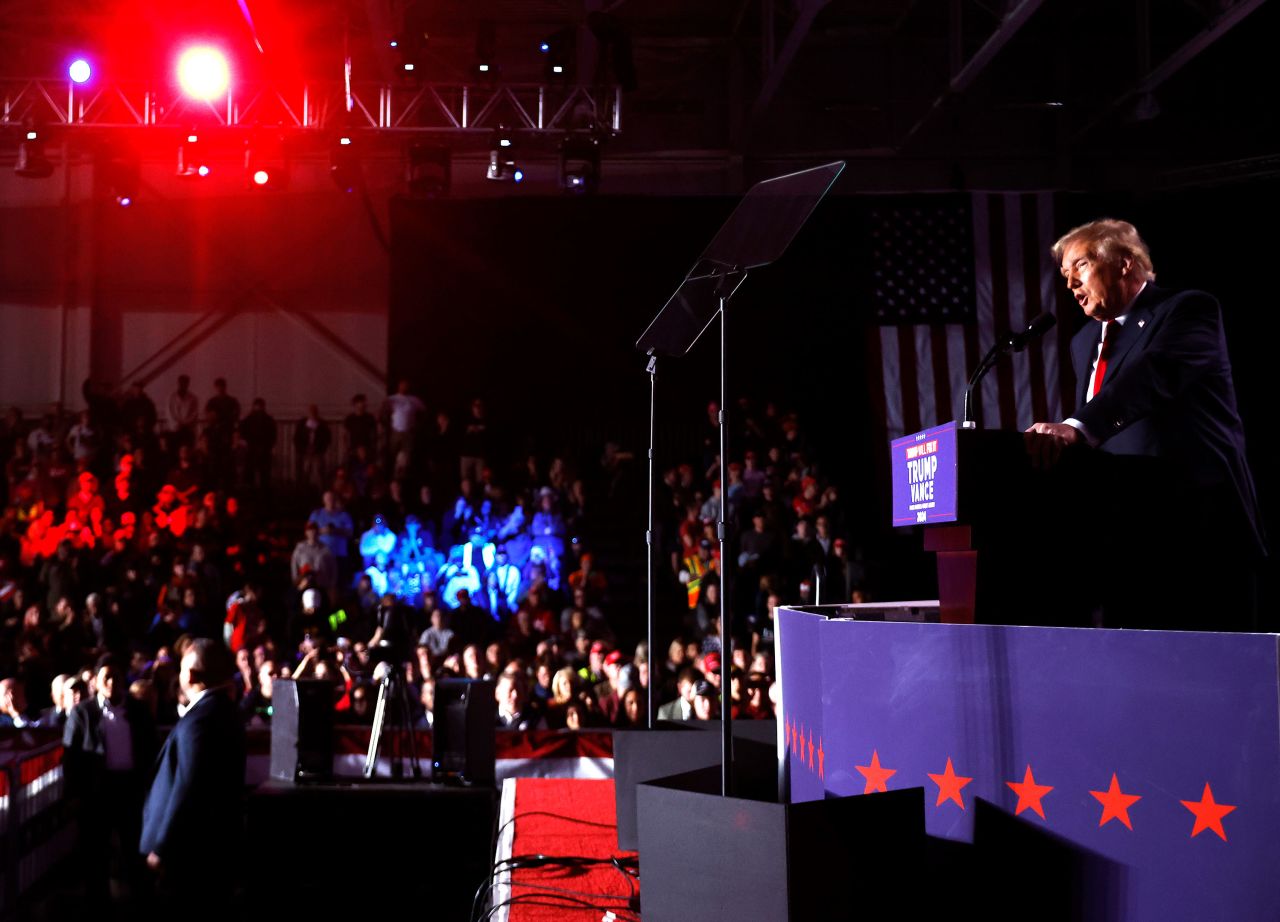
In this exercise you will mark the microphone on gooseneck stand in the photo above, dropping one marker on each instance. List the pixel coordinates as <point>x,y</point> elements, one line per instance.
<point>1009,342</point>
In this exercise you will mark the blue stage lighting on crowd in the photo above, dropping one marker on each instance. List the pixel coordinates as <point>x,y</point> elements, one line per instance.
<point>79,71</point>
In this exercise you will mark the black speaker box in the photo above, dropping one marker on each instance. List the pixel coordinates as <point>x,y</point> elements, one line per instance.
<point>462,731</point>
<point>301,730</point>
<point>728,859</point>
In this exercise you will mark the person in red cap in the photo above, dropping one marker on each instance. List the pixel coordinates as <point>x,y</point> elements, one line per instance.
<point>609,692</point>
<point>711,668</point>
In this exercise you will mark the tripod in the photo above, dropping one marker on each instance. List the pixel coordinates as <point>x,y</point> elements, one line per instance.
<point>393,706</point>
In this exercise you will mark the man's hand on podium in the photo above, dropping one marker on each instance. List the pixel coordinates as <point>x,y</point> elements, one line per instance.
<point>1045,442</point>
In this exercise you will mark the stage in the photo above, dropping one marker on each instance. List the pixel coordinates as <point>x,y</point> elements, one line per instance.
<point>571,825</point>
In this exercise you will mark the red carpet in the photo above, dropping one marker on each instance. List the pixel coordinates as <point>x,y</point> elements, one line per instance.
<point>558,818</point>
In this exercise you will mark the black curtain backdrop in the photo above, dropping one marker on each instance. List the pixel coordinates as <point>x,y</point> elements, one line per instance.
<point>536,303</point>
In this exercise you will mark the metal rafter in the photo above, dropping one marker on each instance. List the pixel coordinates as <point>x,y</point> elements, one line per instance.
<point>809,11</point>
<point>1010,26</point>
<point>1228,19</point>
<point>536,108</point>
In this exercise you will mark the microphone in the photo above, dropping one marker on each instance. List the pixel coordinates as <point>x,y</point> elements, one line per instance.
<point>1009,342</point>
<point>1039,326</point>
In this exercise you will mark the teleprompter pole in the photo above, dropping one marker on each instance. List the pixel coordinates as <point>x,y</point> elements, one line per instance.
<point>652,369</point>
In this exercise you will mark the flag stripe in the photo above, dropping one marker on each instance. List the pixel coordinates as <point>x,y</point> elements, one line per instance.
<point>934,326</point>
<point>887,343</point>
<point>1049,285</point>
<point>999,256</point>
<point>958,357</point>
<point>942,386</point>
<point>1031,260</point>
<point>987,407</point>
<point>910,382</point>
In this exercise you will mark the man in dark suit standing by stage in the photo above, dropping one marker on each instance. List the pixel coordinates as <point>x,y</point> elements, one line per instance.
<point>191,823</point>
<point>1179,545</point>
<point>110,744</point>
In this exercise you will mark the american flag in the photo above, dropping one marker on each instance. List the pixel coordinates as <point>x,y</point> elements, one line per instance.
<point>947,276</point>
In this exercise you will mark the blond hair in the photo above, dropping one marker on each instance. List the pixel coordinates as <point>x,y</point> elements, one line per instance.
<point>1111,240</point>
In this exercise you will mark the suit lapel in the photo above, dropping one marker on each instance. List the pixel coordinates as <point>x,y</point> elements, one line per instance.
<point>1134,327</point>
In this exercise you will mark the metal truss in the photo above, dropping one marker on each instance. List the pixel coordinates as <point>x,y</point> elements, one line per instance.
<point>409,107</point>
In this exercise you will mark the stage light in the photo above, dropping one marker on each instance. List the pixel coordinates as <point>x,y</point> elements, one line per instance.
<point>266,164</point>
<point>203,73</point>
<point>502,167</point>
<point>502,159</point>
<point>79,71</point>
<point>408,67</point>
<point>580,164</point>
<point>191,162</point>
<point>124,201</point>
<point>561,49</point>
<point>344,165</point>
<point>429,170</point>
<point>395,44</point>
<point>544,47</point>
<point>486,48</point>
<point>32,162</point>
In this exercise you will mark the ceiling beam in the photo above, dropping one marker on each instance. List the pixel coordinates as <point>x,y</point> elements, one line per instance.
<point>1228,19</point>
<point>809,11</point>
<point>1012,23</point>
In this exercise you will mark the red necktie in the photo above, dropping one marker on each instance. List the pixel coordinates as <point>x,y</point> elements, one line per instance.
<point>1101,371</point>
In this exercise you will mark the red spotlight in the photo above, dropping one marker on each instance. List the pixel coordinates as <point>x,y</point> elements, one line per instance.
<point>203,73</point>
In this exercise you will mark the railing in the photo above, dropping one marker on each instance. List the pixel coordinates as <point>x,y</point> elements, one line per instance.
<point>35,825</point>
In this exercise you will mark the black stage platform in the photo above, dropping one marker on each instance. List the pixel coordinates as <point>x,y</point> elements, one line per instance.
<point>316,849</point>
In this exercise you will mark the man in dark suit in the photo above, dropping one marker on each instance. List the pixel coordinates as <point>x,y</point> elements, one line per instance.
<point>110,743</point>
<point>1180,532</point>
<point>191,822</point>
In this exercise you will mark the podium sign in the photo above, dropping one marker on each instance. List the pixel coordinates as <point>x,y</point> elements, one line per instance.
<point>923,471</point>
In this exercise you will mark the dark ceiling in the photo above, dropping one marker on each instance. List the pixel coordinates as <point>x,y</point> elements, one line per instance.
<point>1068,93</point>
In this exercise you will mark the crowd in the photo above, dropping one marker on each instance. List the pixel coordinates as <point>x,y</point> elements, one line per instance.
<point>131,532</point>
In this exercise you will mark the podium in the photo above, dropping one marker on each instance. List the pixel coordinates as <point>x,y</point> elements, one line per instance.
<point>1092,532</point>
<point>999,527</point>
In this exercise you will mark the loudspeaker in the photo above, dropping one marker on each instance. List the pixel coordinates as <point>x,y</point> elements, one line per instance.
<point>301,730</point>
<point>463,728</point>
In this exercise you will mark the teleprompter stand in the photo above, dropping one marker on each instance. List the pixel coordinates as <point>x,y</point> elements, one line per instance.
<point>756,234</point>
